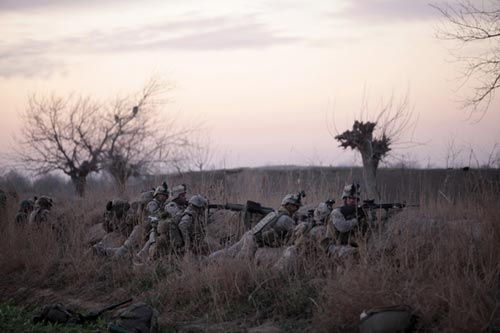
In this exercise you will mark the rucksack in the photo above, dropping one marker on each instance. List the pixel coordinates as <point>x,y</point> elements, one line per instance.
<point>138,318</point>
<point>391,319</point>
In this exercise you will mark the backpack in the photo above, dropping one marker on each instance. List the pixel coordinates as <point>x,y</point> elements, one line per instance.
<point>391,319</point>
<point>56,314</point>
<point>138,318</point>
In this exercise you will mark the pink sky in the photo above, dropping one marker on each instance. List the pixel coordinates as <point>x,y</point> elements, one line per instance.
<point>265,76</point>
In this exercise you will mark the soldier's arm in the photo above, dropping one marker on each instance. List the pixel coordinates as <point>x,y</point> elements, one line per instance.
<point>341,223</point>
<point>152,207</point>
<point>184,226</point>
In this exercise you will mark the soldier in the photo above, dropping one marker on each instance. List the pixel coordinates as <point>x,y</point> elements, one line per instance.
<point>347,224</point>
<point>313,230</point>
<point>178,201</point>
<point>116,217</point>
<point>139,205</point>
<point>25,209</point>
<point>279,229</point>
<point>274,230</point>
<point>192,224</point>
<point>122,221</point>
<point>160,196</point>
<point>41,211</point>
<point>169,235</point>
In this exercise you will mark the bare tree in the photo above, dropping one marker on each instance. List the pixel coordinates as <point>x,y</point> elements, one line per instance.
<point>78,135</point>
<point>200,153</point>
<point>374,139</point>
<point>476,27</point>
<point>148,143</point>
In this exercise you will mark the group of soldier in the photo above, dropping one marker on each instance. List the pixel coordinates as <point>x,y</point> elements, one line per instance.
<point>34,211</point>
<point>166,222</point>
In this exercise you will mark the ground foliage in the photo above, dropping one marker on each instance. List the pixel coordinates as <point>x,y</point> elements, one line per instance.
<point>440,258</point>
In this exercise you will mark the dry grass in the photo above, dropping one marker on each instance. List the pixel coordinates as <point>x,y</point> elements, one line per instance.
<point>442,259</point>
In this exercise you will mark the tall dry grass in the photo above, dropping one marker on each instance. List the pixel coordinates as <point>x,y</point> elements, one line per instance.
<point>441,258</point>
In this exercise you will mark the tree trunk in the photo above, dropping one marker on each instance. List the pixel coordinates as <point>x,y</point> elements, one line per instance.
<point>370,166</point>
<point>80,184</point>
<point>120,181</point>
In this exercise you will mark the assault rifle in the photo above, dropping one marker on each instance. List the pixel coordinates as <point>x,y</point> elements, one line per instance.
<point>60,314</point>
<point>248,209</point>
<point>250,206</point>
<point>370,204</point>
<point>93,315</point>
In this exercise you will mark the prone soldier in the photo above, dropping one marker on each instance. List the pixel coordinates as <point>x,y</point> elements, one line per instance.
<point>276,228</point>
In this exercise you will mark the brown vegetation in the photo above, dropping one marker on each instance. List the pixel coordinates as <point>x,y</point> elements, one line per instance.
<point>441,259</point>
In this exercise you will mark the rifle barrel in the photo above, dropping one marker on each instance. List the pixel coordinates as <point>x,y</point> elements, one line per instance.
<point>94,314</point>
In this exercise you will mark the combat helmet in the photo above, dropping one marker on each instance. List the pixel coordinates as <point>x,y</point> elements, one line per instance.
<point>26,205</point>
<point>198,201</point>
<point>162,189</point>
<point>178,190</point>
<point>294,199</point>
<point>146,196</point>
<point>44,202</point>
<point>118,206</point>
<point>351,190</point>
<point>323,210</point>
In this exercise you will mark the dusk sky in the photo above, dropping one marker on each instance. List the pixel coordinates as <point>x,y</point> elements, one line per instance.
<point>267,77</point>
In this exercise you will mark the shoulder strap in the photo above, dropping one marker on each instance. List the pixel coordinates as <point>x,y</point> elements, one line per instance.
<point>267,220</point>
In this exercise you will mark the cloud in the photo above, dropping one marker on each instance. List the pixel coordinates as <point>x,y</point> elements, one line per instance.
<point>218,33</point>
<point>377,11</point>
<point>23,5</point>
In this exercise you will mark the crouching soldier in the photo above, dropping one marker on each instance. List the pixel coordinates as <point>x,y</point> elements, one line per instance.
<point>347,225</point>
<point>178,201</point>
<point>313,231</point>
<point>25,209</point>
<point>169,234</point>
<point>122,226</point>
<point>192,225</point>
<point>155,207</point>
<point>153,213</point>
<point>41,211</point>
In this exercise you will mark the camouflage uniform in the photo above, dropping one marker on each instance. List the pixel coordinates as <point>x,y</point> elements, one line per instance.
<point>192,224</point>
<point>154,211</point>
<point>41,212</point>
<point>278,231</point>
<point>314,230</point>
<point>347,224</point>
<point>155,207</point>
<point>169,235</point>
<point>178,202</point>
<point>25,209</point>
<point>118,217</point>
<point>160,195</point>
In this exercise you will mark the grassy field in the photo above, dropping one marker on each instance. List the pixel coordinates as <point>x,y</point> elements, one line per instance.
<point>441,258</point>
